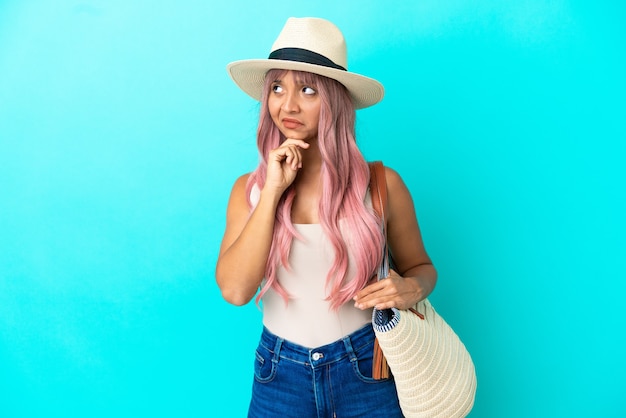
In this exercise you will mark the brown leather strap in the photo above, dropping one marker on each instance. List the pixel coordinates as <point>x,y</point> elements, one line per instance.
<point>416,312</point>
<point>380,367</point>
<point>378,191</point>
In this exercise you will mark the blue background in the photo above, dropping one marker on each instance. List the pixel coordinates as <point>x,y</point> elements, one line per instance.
<point>121,135</point>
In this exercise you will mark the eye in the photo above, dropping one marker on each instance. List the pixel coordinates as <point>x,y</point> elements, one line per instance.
<point>309,90</point>
<point>277,88</point>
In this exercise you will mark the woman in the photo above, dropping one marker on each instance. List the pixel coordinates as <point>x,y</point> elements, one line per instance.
<point>302,230</point>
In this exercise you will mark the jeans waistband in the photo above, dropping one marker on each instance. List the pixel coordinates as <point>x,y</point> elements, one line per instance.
<point>317,356</point>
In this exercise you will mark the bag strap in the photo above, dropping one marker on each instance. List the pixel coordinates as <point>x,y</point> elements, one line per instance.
<point>378,191</point>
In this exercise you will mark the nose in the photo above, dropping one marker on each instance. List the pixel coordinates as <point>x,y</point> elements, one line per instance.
<point>290,102</point>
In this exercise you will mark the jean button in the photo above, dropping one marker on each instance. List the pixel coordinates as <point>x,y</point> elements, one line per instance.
<point>317,356</point>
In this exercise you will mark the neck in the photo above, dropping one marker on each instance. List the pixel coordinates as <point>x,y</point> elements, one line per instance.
<point>308,187</point>
<point>309,174</point>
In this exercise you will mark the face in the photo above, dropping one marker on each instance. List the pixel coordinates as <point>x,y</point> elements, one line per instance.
<point>294,107</point>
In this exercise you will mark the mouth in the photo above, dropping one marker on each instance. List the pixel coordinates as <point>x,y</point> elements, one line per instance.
<point>291,123</point>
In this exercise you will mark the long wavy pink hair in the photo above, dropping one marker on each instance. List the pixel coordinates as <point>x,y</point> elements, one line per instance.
<point>345,180</point>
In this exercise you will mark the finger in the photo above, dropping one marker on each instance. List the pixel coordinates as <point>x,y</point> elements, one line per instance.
<point>392,303</point>
<point>294,146</point>
<point>294,157</point>
<point>372,295</point>
<point>379,302</point>
<point>297,142</point>
<point>369,289</point>
<point>290,154</point>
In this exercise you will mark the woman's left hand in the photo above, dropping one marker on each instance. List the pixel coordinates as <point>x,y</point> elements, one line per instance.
<point>394,291</point>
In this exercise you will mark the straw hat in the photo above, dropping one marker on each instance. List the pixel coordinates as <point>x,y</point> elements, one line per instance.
<point>307,44</point>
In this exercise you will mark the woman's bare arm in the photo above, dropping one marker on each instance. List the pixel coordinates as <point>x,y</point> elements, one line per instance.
<point>247,240</point>
<point>246,245</point>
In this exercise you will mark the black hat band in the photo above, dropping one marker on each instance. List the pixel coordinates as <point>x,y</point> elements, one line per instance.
<point>303,55</point>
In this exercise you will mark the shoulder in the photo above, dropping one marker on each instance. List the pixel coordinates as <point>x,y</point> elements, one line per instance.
<point>238,192</point>
<point>394,181</point>
<point>392,175</point>
<point>392,178</point>
<point>241,182</point>
<point>399,197</point>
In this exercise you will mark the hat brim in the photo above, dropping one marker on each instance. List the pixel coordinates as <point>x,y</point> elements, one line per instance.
<point>249,75</point>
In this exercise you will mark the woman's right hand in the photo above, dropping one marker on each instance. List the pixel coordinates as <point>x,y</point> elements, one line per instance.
<point>283,164</point>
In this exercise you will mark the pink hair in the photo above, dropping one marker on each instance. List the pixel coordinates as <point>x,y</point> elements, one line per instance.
<point>345,180</point>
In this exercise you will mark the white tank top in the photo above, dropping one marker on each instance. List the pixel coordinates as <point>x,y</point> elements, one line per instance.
<point>307,318</point>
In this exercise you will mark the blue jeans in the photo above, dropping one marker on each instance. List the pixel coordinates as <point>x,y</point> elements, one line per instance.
<point>333,381</point>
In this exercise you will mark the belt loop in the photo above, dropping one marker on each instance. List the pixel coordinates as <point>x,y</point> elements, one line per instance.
<point>277,347</point>
<point>348,344</point>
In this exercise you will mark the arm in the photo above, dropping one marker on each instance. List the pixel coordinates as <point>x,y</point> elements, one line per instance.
<point>416,276</point>
<point>245,245</point>
<point>248,236</point>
